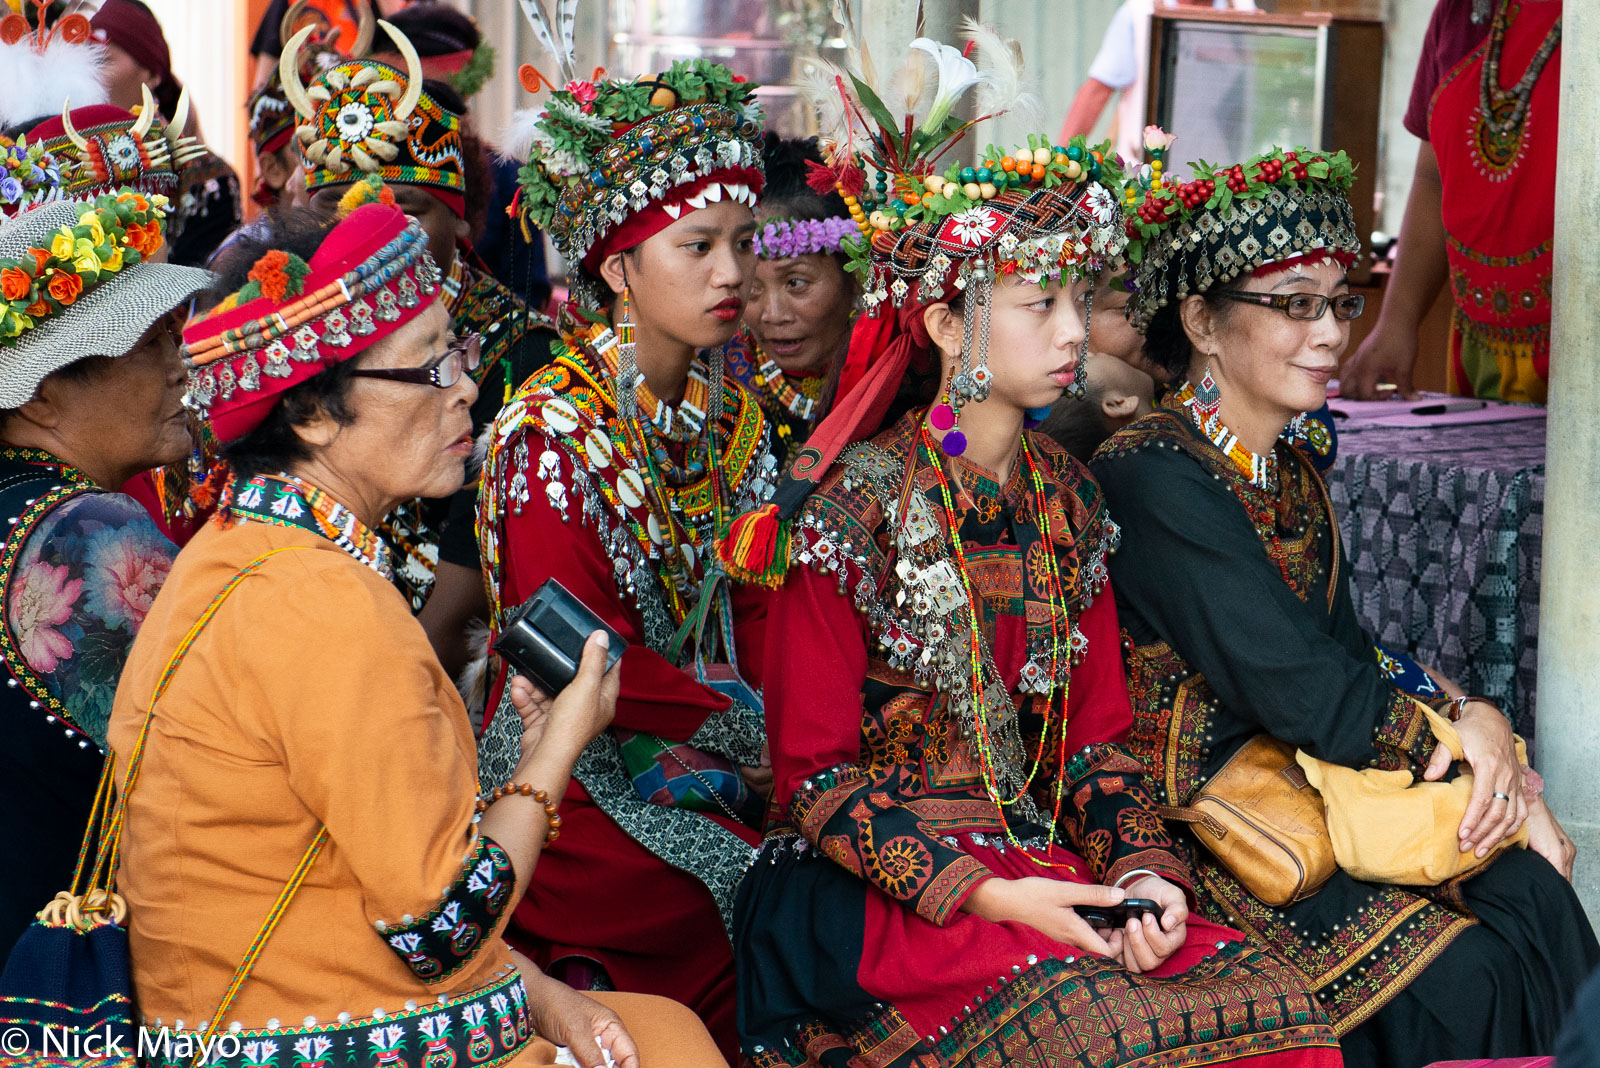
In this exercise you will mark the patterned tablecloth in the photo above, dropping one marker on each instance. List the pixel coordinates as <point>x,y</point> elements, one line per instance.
<point>1442,527</point>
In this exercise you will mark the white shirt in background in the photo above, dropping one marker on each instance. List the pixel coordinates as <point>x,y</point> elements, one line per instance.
<point>1123,64</point>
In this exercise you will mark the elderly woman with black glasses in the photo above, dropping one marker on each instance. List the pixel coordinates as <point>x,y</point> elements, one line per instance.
<point>1238,622</point>
<point>300,742</point>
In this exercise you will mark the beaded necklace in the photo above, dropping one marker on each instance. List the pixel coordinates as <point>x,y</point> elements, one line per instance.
<point>770,378</point>
<point>287,501</point>
<point>985,685</point>
<point>454,281</point>
<point>681,540</point>
<point>1502,111</point>
<point>1261,471</point>
<point>1250,465</point>
<point>658,421</point>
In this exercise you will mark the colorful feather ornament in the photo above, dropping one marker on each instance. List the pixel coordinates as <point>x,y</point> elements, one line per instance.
<point>558,43</point>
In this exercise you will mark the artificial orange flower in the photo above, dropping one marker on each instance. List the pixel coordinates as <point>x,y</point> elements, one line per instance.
<point>39,308</point>
<point>15,283</point>
<point>269,272</point>
<point>64,288</point>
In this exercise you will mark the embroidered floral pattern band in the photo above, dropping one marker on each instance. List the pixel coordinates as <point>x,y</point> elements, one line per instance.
<point>441,943</point>
<point>115,231</point>
<point>484,1028</point>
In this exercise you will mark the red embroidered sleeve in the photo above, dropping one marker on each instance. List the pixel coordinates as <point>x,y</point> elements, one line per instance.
<point>816,662</point>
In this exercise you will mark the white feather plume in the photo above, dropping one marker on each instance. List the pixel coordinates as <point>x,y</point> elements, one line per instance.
<point>860,58</point>
<point>568,17</point>
<point>516,140</point>
<point>1000,57</point>
<point>35,85</point>
<point>819,81</point>
<point>912,87</point>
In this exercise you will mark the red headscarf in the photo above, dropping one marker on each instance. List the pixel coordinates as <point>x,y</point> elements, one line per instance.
<point>132,27</point>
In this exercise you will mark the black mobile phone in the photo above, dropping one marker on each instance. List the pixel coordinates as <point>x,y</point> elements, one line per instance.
<point>1118,915</point>
<point>544,637</point>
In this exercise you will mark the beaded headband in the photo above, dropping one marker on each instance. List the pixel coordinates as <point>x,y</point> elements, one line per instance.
<point>782,239</point>
<point>113,149</point>
<point>365,117</point>
<point>1226,221</point>
<point>371,276</point>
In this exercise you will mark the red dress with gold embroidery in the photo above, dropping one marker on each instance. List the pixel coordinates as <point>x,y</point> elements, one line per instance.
<point>851,945</point>
<point>1495,138</point>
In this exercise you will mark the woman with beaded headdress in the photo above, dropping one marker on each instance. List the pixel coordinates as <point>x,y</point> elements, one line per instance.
<point>613,470</point>
<point>306,860</point>
<point>801,308</point>
<point>367,129</point>
<point>956,815</point>
<point>1239,623</point>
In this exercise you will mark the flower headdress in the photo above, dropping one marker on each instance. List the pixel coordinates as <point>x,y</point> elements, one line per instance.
<point>930,235</point>
<point>47,279</point>
<point>365,117</point>
<point>76,280</point>
<point>781,239</point>
<point>29,176</point>
<point>610,162</point>
<point>1225,221</point>
<point>103,148</point>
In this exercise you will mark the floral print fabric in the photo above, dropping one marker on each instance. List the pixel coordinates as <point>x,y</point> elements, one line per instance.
<point>86,578</point>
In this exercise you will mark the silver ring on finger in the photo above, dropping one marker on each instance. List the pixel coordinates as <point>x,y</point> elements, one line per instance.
<point>1498,796</point>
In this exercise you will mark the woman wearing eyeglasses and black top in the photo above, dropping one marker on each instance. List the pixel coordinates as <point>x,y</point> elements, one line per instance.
<point>301,721</point>
<point>1238,621</point>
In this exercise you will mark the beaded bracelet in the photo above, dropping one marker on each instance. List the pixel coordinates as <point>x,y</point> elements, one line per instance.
<point>551,813</point>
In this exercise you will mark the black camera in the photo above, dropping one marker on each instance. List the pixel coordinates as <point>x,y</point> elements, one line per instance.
<point>544,637</point>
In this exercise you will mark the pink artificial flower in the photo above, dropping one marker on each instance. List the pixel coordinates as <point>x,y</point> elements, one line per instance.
<point>584,93</point>
<point>1156,139</point>
<point>41,602</point>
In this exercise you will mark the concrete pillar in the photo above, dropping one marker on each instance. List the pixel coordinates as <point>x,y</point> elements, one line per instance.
<point>1569,605</point>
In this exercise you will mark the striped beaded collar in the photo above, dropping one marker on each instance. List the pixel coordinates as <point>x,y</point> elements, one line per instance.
<point>286,501</point>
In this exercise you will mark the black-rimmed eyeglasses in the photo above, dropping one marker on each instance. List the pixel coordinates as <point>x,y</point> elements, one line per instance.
<point>462,357</point>
<point>1302,305</point>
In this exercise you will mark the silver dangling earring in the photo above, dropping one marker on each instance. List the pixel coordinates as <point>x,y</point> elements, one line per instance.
<point>1078,388</point>
<point>627,358</point>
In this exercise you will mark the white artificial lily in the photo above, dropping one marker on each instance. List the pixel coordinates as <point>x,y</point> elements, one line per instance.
<point>957,74</point>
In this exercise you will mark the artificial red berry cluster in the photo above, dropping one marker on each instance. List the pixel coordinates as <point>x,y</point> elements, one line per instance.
<point>1195,194</point>
<point>1156,209</point>
<point>1269,170</point>
<point>1298,172</point>
<point>1236,179</point>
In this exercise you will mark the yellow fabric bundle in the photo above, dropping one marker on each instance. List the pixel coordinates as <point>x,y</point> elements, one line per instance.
<point>1387,827</point>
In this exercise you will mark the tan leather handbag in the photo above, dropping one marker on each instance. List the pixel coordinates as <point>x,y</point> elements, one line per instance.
<point>1267,825</point>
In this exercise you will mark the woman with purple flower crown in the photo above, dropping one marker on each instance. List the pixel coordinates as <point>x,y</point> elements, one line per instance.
<point>966,867</point>
<point>800,308</point>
